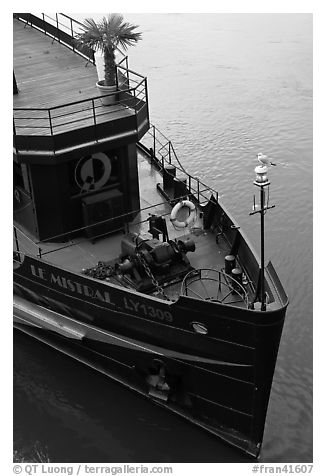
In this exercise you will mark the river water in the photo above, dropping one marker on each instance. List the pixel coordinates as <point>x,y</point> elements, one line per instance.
<point>222,87</point>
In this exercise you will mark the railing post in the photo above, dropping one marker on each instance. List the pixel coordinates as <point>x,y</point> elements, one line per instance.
<point>116,76</point>
<point>51,128</point>
<point>94,117</point>
<point>72,34</point>
<point>146,95</point>
<point>44,24</point>
<point>17,243</point>
<point>127,66</point>
<point>169,152</point>
<point>15,142</point>
<point>154,141</point>
<point>50,122</point>
<point>198,190</point>
<point>56,17</point>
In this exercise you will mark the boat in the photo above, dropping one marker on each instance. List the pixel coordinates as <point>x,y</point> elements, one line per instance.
<point>125,261</point>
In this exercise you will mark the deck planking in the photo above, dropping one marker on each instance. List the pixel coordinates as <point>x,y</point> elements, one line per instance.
<point>48,75</point>
<point>44,67</point>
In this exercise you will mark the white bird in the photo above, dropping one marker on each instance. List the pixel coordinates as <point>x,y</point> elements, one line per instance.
<point>264,159</point>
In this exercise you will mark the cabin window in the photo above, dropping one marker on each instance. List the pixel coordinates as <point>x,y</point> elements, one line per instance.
<point>93,172</point>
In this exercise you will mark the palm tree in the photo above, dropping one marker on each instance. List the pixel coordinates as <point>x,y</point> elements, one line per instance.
<point>106,36</point>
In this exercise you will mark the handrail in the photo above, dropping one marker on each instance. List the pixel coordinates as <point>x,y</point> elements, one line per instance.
<point>70,18</point>
<point>170,157</point>
<point>209,274</point>
<point>25,237</point>
<point>54,31</point>
<point>41,251</point>
<point>137,95</point>
<point>82,25</point>
<point>131,86</point>
<point>131,71</point>
<point>195,191</point>
<point>59,31</point>
<point>132,96</point>
<point>167,144</point>
<point>72,103</point>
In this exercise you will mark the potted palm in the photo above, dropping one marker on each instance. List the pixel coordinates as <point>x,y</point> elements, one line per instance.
<point>106,36</point>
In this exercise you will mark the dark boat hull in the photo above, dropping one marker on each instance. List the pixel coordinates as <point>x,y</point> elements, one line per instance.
<point>220,381</point>
<point>203,358</point>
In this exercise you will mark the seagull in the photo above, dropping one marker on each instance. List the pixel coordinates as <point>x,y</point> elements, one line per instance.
<point>264,160</point>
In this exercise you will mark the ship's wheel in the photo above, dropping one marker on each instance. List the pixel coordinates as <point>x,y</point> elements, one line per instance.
<point>215,286</point>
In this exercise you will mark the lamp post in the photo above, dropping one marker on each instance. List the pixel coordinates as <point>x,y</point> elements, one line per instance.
<point>262,181</point>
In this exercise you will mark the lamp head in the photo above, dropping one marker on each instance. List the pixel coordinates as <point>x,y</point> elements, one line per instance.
<point>261,175</point>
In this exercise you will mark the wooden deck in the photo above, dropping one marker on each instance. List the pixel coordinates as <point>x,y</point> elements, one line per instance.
<point>49,75</point>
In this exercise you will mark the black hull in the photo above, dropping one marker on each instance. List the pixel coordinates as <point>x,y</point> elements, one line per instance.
<point>80,174</point>
<point>117,372</point>
<point>220,381</point>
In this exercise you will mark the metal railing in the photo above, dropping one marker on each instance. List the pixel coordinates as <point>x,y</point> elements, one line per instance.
<point>24,244</point>
<point>133,94</point>
<point>87,113</point>
<point>61,28</point>
<point>215,286</point>
<point>163,154</point>
<point>131,90</point>
<point>47,121</point>
<point>164,148</point>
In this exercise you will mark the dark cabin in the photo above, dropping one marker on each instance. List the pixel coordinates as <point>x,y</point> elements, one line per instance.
<point>75,159</point>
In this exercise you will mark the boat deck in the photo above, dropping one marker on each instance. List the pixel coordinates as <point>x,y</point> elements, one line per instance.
<point>81,253</point>
<point>47,74</point>
<point>46,71</point>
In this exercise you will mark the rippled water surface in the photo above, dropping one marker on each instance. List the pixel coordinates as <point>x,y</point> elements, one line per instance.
<point>222,87</point>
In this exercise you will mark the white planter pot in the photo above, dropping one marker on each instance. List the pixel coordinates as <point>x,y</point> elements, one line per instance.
<point>106,101</point>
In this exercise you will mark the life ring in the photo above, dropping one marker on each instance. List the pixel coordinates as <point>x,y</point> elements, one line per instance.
<point>191,218</point>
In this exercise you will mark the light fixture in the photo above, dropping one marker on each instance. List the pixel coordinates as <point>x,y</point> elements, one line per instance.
<point>261,175</point>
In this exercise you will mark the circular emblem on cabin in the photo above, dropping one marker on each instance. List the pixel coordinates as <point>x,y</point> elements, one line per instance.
<point>93,172</point>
